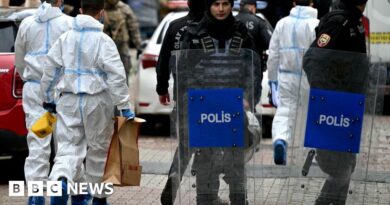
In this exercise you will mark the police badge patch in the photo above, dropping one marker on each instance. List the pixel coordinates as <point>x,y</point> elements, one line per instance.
<point>323,40</point>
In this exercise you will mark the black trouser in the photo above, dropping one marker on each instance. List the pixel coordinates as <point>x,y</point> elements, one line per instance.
<point>180,161</point>
<point>209,163</point>
<point>339,166</point>
<point>235,175</point>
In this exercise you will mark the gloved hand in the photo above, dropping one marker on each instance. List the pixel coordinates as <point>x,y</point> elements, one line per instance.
<point>50,107</point>
<point>127,113</point>
<point>274,93</point>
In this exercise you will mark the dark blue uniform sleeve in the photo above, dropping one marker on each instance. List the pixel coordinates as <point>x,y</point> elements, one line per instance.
<point>162,69</point>
<point>329,33</point>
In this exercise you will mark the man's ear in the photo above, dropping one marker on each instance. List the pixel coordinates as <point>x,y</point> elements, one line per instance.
<point>254,9</point>
<point>81,10</point>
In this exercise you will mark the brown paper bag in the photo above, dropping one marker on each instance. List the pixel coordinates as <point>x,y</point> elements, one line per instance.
<point>122,165</point>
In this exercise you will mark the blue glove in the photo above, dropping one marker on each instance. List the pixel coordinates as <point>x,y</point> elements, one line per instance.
<point>274,93</point>
<point>127,113</point>
<point>50,107</point>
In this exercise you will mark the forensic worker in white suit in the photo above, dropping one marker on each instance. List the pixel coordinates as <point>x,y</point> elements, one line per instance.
<point>291,38</point>
<point>85,67</point>
<point>36,35</point>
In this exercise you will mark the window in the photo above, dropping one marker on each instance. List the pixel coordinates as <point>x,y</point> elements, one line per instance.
<point>8,31</point>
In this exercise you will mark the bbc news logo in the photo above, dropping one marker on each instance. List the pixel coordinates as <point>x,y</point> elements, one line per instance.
<point>54,188</point>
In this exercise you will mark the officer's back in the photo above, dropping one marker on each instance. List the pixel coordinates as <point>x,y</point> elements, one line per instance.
<point>259,28</point>
<point>342,29</point>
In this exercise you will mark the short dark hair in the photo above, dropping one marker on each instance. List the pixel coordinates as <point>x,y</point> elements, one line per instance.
<point>303,2</point>
<point>52,2</point>
<point>92,7</point>
<point>243,6</point>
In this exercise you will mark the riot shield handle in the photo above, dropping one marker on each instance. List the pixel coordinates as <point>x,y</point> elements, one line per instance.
<point>308,162</point>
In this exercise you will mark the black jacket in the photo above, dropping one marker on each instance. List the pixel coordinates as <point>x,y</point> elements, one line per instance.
<point>209,35</point>
<point>259,28</point>
<point>341,30</point>
<point>219,32</point>
<point>337,59</point>
<point>171,42</point>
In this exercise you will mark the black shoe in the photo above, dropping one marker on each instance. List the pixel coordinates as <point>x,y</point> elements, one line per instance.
<point>99,201</point>
<point>166,195</point>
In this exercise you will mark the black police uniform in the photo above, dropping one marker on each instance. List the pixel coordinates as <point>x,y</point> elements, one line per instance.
<point>206,32</point>
<point>339,33</point>
<point>259,28</point>
<point>224,37</point>
<point>344,28</point>
<point>172,42</point>
<point>322,6</point>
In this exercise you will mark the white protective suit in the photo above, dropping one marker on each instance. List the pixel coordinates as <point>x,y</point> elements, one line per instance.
<point>36,35</point>
<point>291,38</point>
<point>85,67</point>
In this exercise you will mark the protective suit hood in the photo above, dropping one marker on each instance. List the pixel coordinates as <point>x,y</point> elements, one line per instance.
<point>45,12</point>
<point>82,22</point>
<point>304,12</point>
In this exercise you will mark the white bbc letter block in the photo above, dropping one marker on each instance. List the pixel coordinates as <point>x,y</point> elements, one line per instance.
<point>54,188</point>
<point>16,188</point>
<point>35,188</point>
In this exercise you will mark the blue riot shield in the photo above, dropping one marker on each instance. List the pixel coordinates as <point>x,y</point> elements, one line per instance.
<point>215,133</point>
<point>333,155</point>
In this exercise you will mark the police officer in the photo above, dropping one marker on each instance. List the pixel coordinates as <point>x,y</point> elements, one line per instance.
<point>340,30</point>
<point>323,7</point>
<point>84,66</point>
<point>292,37</point>
<point>219,34</point>
<point>259,28</point>
<point>172,42</point>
